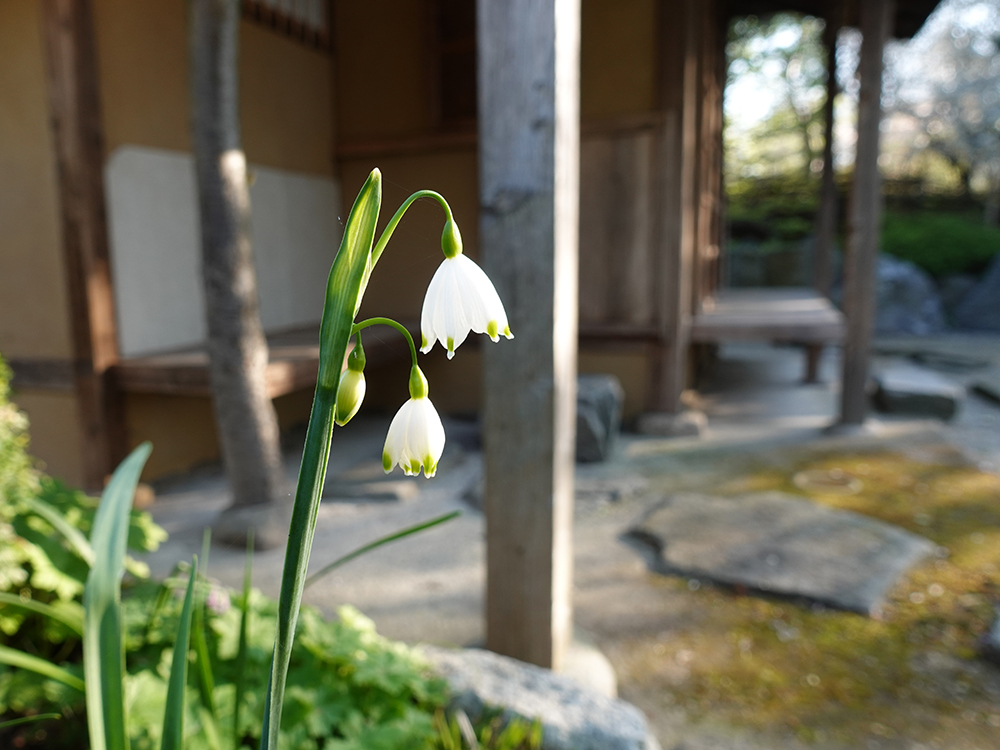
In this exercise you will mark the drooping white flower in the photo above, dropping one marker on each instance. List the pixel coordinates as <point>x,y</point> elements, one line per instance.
<point>460,298</point>
<point>416,435</point>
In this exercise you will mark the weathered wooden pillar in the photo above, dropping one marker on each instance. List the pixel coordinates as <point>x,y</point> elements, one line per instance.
<point>864,216</point>
<point>676,168</point>
<point>826,217</point>
<point>74,106</point>
<point>529,145</point>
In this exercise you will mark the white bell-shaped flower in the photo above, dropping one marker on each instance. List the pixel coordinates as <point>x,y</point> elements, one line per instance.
<point>416,435</point>
<point>460,298</point>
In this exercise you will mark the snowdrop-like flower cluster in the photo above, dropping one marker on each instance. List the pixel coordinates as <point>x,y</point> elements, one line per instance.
<point>460,299</point>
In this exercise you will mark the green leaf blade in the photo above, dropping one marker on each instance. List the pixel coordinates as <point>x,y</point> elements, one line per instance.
<point>103,646</point>
<point>173,715</point>
<point>14,658</point>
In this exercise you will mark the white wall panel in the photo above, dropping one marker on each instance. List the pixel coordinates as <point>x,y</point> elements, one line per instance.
<point>155,253</point>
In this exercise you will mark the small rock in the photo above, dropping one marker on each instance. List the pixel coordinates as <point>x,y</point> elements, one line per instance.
<point>908,301</point>
<point>687,423</point>
<point>979,310</point>
<point>780,544</point>
<point>573,718</point>
<point>599,402</point>
<point>908,389</point>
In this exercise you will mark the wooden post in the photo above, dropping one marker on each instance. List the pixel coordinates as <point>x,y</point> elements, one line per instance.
<point>529,205</point>
<point>679,36</point>
<point>865,214</point>
<point>74,105</point>
<point>826,217</point>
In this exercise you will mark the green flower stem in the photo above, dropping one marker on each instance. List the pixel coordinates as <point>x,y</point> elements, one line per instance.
<point>358,327</point>
<point>343,298</point>
<point>391,226</point>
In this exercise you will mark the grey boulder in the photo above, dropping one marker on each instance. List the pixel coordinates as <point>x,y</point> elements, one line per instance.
<point>980,309</point>
<point>573,718</point>
<point>907,299</point>
<point>599,402</point>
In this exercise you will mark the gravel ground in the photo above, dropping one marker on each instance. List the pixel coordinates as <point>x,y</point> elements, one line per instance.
<point>429,588</point>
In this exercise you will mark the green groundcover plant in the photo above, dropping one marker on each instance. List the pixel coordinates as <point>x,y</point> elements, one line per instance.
<point>264,671</point>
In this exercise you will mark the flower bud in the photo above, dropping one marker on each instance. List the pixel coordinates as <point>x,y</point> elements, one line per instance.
<point>351,391</point>
<point>451,239</point>
<point>350,394</point>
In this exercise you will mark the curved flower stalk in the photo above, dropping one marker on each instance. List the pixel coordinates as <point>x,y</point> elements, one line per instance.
<point>461,298</point>
<point>416,435</point>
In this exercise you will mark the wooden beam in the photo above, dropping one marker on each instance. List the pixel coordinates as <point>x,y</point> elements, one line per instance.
<point>676,164</point>
<point>826,217</point>
<point>865,214</point>
<point>529,62</point>
<point>74,105</point>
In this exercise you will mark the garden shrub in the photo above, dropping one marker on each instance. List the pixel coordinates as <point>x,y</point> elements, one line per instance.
<point>940,243</point>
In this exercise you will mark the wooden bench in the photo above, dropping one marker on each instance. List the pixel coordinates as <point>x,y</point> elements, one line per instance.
<point>292,364</point>
<point>791,315</point>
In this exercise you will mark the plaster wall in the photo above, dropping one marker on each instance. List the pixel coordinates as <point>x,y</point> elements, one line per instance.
<point>156,255</point>
<point>34,312</point>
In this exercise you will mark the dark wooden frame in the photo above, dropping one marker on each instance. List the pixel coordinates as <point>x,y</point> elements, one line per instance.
<point>75,111</point>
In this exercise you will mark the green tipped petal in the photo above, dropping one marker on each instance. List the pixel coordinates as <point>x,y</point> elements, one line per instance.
<point>507,333</point>
<point>491,330</point>
<point>386,462</point>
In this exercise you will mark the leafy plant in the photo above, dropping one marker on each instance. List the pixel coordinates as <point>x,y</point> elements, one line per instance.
<point>940,243</point>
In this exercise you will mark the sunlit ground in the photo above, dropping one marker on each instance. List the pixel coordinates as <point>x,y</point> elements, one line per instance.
<point>912,678</point>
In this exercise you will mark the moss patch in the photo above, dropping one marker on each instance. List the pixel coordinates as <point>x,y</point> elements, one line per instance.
<point>827,675</point>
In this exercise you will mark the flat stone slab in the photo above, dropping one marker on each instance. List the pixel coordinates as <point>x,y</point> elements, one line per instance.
<point>573,718</point>
<point>908,389</point>
<point>777,543</point>
<point>988,384</point>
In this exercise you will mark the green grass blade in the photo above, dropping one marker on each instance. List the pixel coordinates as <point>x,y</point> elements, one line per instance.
<point>173,715</point>
<point>379,542</point>
<point>241,653</point>
<point>68,614</point>
<point>103,646</point>
<point>14,658</point>
<point>203,665</point>
<point>343,298</point>
<point>77,541</point>
<point>28,720</point>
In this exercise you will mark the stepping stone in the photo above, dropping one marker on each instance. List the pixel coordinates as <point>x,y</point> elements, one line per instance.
<point>908,389</point>
<point>776,543</point>
<point>573,717</point>
<point>988,384</point>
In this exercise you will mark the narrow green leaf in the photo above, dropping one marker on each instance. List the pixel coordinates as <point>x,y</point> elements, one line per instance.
<point>379,542</point>
<point>14,658</point>
<point>77,541</point>
<point>173,715</point>
<point>103,646</point>
<point>241,653</point>
<point>28,720</point>
<point>69,614</point>
<point>203,665</point>
<point>343,298</point>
